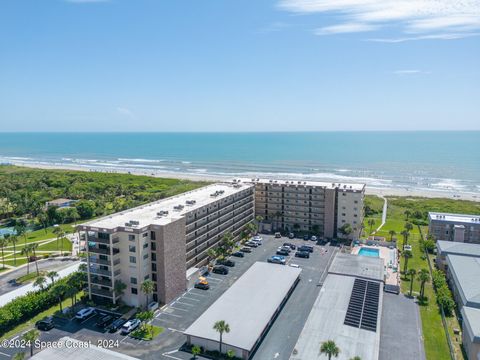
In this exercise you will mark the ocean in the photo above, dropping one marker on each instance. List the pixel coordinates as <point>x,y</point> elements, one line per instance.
<point>441,161</point>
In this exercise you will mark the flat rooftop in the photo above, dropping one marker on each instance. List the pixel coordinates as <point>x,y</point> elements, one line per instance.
<point>458,218</point>
<point>365,267</point>
<point>326,322</point>
<point>458,248</point>
<point>327,185</point>
<point>466,273</point>
<point>248,305</point>
<point>147,214</point>
<point>69,351</point>
<point>471,318</point>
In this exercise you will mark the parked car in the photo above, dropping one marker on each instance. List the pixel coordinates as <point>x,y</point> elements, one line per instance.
<point>306,237</point>
<point>258,242</point>
<point>238,254</point>
<point>276,260</point>
<point>314,238</point>
<point>278,235</point>
<point>202,284</point>
<point>291,246</point>
<point>291,235</point>
<point>251,244</point>
<point>286,248</point>
<point>45,324</point>
<point>282,252</point>
<point>226,262</point>
<point>220,269</point>
<point>117,324</point>
<point>302,254</point>
<point>105,321</point>
<point>246,250</point>
<point>85,313</point>
<point>129,326</point>
<point>257,238</point>
<point>305,248</point>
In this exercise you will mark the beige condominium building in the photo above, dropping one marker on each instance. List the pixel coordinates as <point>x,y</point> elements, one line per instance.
<point>454,227</point>
<point>309,206</point>
<point>162,241</point>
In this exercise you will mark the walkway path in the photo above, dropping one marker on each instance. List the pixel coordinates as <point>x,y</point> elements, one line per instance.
<point>9,296</point>
<point>384,214</point>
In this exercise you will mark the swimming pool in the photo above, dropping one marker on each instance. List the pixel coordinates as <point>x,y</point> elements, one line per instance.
<point>364,251</point>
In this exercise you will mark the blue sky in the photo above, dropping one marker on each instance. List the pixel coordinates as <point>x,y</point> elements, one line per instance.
<point>224,65</point>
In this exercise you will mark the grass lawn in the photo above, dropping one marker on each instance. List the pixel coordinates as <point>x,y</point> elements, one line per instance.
<point>45,234</point>
<point>31,323</point>
<point>148,333</point>
<point>63,245</point>
<point>30,277</point>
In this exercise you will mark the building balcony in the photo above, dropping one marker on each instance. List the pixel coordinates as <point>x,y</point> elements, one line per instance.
<point>97,250</point>
<point>100,272</point>
<point>102,282</point>
<point>98,240</point>
<point>101,292</point>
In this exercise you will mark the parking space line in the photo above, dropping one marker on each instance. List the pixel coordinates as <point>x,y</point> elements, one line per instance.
<point>171,307</point>
<point>187,298</point>
<point>1,353</point>
<point>124,339</point>
<point>164,313</point>
<point>186,304</point>
<point>196,294</point>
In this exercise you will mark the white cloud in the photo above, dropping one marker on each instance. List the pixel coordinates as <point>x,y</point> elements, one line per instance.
<point>344,28</point>
<point>419,18</point>
<point>410,72</point>
<point>443,36</point>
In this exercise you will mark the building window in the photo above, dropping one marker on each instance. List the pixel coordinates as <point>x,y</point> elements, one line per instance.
<point>133,280</point>
<point>153,246</point>
<point>145,245</point>
<point>152,235</point>
<point>133,259</point>
<point>134,291</point>
<point>145,234</point>
<point>146,277</point>
<point>154,257</point>
<point>154,267</point>
<point>154,277</point>
<point>145,256</point>
<point>104,236</point>
<point>132,248</point>
<point>131,237</point>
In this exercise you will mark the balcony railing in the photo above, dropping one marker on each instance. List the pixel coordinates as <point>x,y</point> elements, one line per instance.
<point>98,240</point>
<point>97,250</point>
<point>101,292</point>
<point>99,261</point>
<point>101,272</point>
<point>102,282</point>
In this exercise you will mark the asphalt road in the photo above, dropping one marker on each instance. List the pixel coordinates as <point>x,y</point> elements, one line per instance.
<point>47,264</point>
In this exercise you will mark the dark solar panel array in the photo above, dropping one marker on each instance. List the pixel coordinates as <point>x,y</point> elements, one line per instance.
<point>362,311</point>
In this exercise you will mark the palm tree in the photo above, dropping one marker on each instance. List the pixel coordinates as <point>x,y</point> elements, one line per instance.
<point>330,349</point>
<point>278,215</point>
<point>30,337</point>
<point>407,254</point>
<point>423,277</point>
<point>405,234</point>
<point>60,234</point>
<point>19,356</point>
<point>412,273</point>
<point>392,233</point>
<point>71,292</point>
<point>356,358</point>
<point>14,240</point>
<point>196,351</point>
<point>147,288</point>
<point>26,253</point>
<point>33,248</point>
<point>221,327</point>
<point>3,244</point>
<point>230,354</point>
<point>59,291</point>
<point>408,226</point>
<point>52,275</point>
<point>371,222</point>
<point>407,213</point>
<point>40,282</point>
<point>119,287</point>
<point>21,230</point>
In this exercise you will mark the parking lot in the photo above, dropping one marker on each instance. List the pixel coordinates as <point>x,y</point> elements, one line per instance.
<point>184,310</point>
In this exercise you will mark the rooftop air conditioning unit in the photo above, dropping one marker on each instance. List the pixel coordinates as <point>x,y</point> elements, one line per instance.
<point>190,202</point>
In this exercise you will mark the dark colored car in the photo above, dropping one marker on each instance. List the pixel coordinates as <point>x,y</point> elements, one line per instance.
<point>282,252</point>
<point>226,262</point>
<point>291,246</point>
<point>220,269</point>
<point>116,325</point>
<point>246,250</point>
<point>105,321</point>
<point>238,254</point>
<point>306,248</point>
<point>306,237</point>
<point>302,254</point>
<point>45,324</point>
<point>201,285</point>
<point>291,235</point>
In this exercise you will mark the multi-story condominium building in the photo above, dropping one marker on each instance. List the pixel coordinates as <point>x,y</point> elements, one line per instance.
<point>454,227</point>
<point>316,207</point>
<point>162,240</point>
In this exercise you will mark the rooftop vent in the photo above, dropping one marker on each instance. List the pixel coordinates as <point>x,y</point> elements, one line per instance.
<point>217,193</point>
<point>132,223</point>
<point>190,202</point>
<point>178,207</point>
<point>162,213</point>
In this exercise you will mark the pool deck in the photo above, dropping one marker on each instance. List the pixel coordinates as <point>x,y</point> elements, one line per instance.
<point>390,261</point>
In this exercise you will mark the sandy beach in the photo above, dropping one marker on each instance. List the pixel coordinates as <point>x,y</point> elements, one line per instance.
<point>370,190</point>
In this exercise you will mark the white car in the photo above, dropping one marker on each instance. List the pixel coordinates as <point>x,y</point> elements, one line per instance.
<point>284,248</point>
<point>84,313</point>
<point>257,238</point>
<point>129,326</point>
<point>314,238</point>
